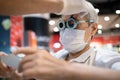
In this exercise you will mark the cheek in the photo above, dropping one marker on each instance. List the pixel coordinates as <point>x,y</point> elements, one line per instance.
<point>80,27</point>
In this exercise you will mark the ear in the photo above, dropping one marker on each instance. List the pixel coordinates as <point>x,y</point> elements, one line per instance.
<point>94,27</point>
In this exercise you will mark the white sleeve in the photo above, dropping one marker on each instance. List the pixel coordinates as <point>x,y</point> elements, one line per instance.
<point>116,66</point>
<point>73,6</point>
<point>108,59</point>
<point>61,54</point>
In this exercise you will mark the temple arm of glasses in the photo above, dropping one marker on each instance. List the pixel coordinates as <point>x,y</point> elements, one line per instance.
<point>83,21</point>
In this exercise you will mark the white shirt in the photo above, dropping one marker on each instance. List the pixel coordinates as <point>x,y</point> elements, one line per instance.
<point>103,58</point>
<point>108,59</point>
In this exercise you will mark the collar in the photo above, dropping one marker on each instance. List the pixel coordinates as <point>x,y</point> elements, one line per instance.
<point>83,57</point>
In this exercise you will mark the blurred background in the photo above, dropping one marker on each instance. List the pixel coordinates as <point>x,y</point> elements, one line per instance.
<point>39,30</point>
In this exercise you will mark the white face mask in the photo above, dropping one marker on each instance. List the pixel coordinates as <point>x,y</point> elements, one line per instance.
<point>73,40</point>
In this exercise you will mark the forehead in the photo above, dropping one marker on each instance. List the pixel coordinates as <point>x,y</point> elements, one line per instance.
<point>76,16</point>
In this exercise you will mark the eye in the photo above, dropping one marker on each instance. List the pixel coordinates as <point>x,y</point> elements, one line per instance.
<point>61,25</point>
<point>71,23</point>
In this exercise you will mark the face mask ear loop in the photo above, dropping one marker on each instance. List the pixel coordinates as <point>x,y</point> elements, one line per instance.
<point>88,40</point>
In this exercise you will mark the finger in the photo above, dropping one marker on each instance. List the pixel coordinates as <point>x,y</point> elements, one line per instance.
<point>29,73</point>
<point>10,69</point>
<point>2,54</point>
<point>28,58</point>
<point>6,68</point>
<point>28,65</point>
<point>47,56</point>
<point>25,50</point>
<point>3,68</point>
<point>25,60</point>
<point>17,74</point>
<point>2,64</point>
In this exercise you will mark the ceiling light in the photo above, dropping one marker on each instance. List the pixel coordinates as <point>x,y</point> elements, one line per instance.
<point>57,45</point>
<point>99,31</point>
<point>117,11</point>
<point>51,22</point>
<point>100,26</point>
<point>106,18</point>
<point>55,29</point>
<point>117,25</point>
<point>97,10</point>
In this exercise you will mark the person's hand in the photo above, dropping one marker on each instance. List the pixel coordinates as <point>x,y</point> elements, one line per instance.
<point>39,64</point>
<point>73,7</point>
<point>4,70</point>
<point>15,76</point>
